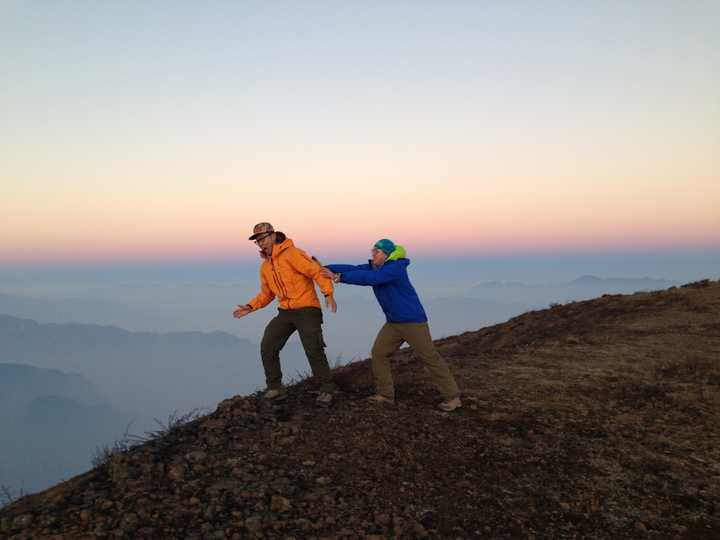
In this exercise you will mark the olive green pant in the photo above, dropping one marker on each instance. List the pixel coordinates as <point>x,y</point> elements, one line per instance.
<point>308,323</point>
<point>417,335</point>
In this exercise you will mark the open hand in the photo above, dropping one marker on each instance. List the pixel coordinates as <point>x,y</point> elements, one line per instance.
<point>330,303</point>
<point>241,311</point>
<point>328,274</point>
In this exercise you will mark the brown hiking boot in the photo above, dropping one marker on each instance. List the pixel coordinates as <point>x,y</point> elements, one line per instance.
<point>450,405</point>
<point>275,393</point>
<point>325,398</point>
<point>379,398</point>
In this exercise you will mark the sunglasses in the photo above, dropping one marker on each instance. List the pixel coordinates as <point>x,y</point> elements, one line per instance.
<point>263,237</point>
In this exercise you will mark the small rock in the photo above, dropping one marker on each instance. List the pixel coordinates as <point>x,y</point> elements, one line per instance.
<point>176,472</point>
<point>85,516</point>
<point>226,404</point>
<point>323,480</point>
<point>382,519</point>
<point>214,441</point>
<point>640,526</point>
<point>23,521</point>
<point>129,522</point>
<point>418,530</point>
<point>253,524</point>
<point>198,456</point>
<point>215,424</point>
<point>279,504</point>
<point>286,441</point>
<point>120,471</point>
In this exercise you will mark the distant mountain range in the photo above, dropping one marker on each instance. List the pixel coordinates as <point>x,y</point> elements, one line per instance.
<point>51,424</point>
<point>587,281</point>
<point>66,309</point>
<point>142,371</point>
<point>21,384</point>
<point>582,288</point>
<point>63,387</point>
<point>349,333</point>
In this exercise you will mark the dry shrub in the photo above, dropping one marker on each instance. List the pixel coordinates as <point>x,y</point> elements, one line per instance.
<point>353,377</point>
<point>693,367</point>
<point>702,284</point>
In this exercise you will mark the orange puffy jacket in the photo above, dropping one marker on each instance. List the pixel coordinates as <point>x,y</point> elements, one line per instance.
<point>288,275</point>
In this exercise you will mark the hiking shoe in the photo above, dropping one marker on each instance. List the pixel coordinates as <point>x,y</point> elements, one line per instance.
<point>379,398</point>
<point>450,405</point>
<point>275,393</point>
<point>325,398</point>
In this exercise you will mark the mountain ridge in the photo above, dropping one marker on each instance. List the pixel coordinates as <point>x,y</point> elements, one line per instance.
<point>593,419</point>
<point>10,322</point>
<point>131,368</point>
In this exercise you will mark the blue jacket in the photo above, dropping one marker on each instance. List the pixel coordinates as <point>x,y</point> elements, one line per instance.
<point>392,288</point>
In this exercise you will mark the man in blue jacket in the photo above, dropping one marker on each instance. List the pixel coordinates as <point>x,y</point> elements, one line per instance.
<point>386,272</point>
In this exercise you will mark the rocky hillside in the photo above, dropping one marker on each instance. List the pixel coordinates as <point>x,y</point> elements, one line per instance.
<point>595,419</point>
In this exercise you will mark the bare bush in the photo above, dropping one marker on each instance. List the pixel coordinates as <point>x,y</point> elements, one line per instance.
<point>9,495</point>
<point>103,454</point>
<point>174,421</point>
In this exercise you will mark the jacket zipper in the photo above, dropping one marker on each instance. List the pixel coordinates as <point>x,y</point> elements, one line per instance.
<point>280,283</point>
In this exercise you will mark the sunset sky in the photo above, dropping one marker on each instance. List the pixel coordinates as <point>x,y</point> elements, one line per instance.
<point>145,131</point>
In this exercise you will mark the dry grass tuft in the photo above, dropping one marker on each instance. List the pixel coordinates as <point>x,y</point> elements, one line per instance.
<point>692,367</point>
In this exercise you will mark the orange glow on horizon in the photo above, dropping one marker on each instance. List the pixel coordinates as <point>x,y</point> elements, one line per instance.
<point>355,246</point>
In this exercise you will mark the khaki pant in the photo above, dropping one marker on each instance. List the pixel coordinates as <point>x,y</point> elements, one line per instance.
<point>308,323</point>
<point>417,335</point>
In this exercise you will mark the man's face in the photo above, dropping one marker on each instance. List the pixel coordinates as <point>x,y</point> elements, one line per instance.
<point>378,256</point>
<point>265,242</point>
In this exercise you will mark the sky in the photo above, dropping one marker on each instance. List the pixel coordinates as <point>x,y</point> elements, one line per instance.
<point>162,131</point>
<point>140,141</point>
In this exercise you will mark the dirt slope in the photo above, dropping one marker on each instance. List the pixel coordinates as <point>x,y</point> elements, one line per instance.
<point>596,419</point>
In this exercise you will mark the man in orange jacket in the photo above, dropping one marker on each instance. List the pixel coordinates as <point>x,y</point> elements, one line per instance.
<point>287,273</point>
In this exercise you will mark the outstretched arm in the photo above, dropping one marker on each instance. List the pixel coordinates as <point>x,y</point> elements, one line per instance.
<point>339,268</point>
<point>384,274</point>
<point>263,298</point>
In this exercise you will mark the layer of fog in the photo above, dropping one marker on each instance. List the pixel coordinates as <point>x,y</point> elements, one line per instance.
<point>193,370</point>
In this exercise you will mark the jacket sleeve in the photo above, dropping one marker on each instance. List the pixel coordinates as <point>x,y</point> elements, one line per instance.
<point>384,274</point>
<point>264,297</point>
<point>339,268</point>
<point>310,268</point>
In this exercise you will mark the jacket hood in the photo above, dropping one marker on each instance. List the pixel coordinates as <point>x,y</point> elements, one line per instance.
<point>398,253</point>
<point>281,245</point>
<point>400,262</point>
